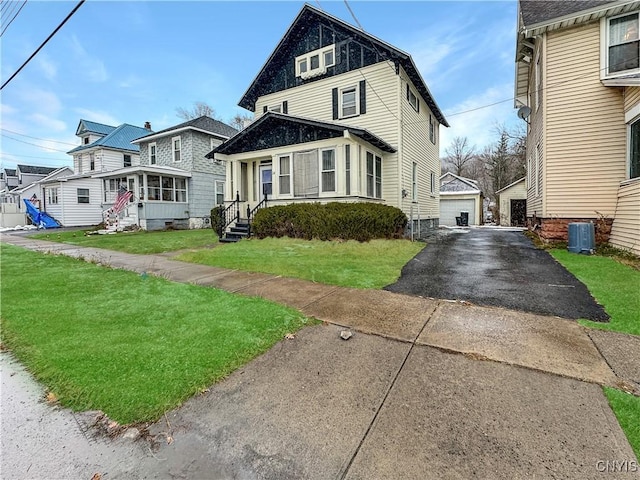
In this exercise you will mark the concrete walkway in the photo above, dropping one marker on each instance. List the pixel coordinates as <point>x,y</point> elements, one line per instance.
<point>425,389</point>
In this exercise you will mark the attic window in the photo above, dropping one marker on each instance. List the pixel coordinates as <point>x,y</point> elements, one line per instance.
<point>85,140</point>
<point>315,63</point>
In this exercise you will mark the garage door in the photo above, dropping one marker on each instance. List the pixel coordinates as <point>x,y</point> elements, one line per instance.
<point>450,208</point>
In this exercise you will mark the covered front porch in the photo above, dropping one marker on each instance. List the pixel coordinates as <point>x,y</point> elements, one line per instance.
<point>159,196</point>
<point>281,159</point>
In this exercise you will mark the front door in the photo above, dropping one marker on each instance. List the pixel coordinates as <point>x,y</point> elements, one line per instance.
<point>266,181</point>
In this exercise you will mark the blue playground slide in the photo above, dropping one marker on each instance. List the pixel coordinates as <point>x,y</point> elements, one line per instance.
<point>39,219</point>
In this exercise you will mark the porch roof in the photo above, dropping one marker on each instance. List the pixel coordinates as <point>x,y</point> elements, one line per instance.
<point>139,169</point>
<point>274,130</point>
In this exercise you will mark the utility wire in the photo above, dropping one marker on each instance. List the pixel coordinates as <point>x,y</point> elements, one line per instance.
<point>34,144</point>
<point>32,156</point>
<point>38,138</point>
<point>14,17</point>
<point>43,43</point>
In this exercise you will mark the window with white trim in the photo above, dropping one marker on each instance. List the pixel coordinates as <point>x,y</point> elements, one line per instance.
<point>82,195</point>
<point>412,98</point>
<point>284,175</point>
<point>92,162</point>
<point>374,175</point>
<point>153,159</point>
<point>623,44</point>
<point>414,182</point>
<point>328,170</point>
<point>219,192</point>
<point>634,149</point>
<point>126,160</point>
<point>52,196</point>
<point>111,188</point>
<point>348,102</point>
<point>176,149</point>
<point>166,189</point>
<point>432,129</point>
<point>316,62</point>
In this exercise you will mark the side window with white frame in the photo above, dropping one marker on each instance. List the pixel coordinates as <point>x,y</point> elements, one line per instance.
<point>176,149</point>
<point>83,195</point>
<point>153,159</point>
<point>52,196</point>
<point>284,175</point>
<point>126,162</point>
<point>349,101</point>
<point>634,149</point>
<point>432,129</point>
<point>412,98</point>
<point>432,183</point>
<point>622,43</point>
<point>220,192</point>
<point>374,175</point>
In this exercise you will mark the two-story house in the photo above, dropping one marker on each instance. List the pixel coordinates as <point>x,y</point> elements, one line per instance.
<point>174,185</point>
<point>77,200</point>
<point>577,84</point>
<point>340,116</point>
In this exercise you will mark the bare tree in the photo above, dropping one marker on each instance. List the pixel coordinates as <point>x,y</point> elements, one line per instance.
<point>239,121</point>
<point>459,155</point>
<point>198,110</point>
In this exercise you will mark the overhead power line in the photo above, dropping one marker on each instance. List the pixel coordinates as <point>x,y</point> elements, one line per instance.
<point>43,43</point>
<point>13,18</point>
<point>38,138</point>
<point>34,144</point>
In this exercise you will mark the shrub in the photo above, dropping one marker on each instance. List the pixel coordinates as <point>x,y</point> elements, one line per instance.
<point>346,221</point>
<point>216,220</point>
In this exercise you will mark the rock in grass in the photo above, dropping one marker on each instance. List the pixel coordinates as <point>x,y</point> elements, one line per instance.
<point>346,334</point>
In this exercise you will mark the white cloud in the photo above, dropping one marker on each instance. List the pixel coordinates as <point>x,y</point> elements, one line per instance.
<point>48,123</point>
<point>48,67</point>
<point>91,67</point>
<point>97,116</point>
<point>476,123</point>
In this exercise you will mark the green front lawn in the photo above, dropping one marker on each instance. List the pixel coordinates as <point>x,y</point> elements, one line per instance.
<point>132,346</point>
<point>627,410</point>
<point>372,264</point>
<point>136,242</point>
<point>612,284</point>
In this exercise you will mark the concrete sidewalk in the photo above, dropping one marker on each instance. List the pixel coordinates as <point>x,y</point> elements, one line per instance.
<point>425,388</point>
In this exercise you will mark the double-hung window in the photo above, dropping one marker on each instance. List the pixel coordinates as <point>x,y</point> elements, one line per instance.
<point>315,62</point>
<point>284,176</point>
<point>374,175</point>
<point>623,43</point>
<point>413,99</point>
<point>176,149</point>
<point>634,149</point>
<point>126,161</point>
<point>52,196</point>
<point>153,159</point>
<point>328,170</point>
<point>348,102</point>
<point>83,195</point>
<point>219,192</point>
<point>92,162</point>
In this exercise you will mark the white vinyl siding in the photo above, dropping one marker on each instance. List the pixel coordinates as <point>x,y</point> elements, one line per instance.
<point>584,156</point>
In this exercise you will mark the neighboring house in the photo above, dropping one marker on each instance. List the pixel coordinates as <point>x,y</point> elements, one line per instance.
<point>513,204</point>
<point>77,199</point>
<point>8,182</point>
<point>459,194</point>
<point>174,185</point>
<point>578,82</point>
<point>25,176</point>
<point>340,116</point>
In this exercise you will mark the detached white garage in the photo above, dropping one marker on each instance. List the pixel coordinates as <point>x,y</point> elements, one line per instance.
<point>458,195</point>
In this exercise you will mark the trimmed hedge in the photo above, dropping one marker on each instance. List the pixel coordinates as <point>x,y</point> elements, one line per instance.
<point>347,221</point>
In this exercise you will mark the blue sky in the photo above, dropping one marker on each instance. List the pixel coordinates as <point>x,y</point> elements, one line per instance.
<point>129,62</point>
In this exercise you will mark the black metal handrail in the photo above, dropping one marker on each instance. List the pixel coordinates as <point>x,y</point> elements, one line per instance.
<point>229,215</point>
<point>251,212</point>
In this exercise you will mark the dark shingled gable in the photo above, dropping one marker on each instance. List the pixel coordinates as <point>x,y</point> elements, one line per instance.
<point>534,12</point>
<point>35,170</point>
<point>203,123</point>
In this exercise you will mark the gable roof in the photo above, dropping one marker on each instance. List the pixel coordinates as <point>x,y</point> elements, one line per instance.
<point>457,184</point>
<point>119,139</point>
<point>310,15</point>
<point>35,170</point>
<point>279,129</point>
<point>511,185</point>
<point>87,126</point>
<point>204,124</point>
<point>10,172</point>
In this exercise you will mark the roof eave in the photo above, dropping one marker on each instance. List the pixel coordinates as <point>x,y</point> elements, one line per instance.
<point>155,136</point>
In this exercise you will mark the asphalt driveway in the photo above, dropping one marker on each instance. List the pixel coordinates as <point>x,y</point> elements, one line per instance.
<point>497,268</point>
